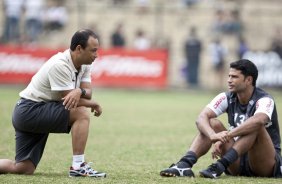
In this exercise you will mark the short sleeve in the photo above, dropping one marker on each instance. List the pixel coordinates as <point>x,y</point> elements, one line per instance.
<point>86,76</point>
<point>60,77</point>
<point>219,104</point>
<point>265,105</point>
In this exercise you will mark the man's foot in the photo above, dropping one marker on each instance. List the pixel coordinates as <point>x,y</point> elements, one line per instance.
<point>86,170</point>
<point>213,171</point>
<point>174,171</point>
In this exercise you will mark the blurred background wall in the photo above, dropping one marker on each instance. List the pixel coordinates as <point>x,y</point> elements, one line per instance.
<point>238,25</point>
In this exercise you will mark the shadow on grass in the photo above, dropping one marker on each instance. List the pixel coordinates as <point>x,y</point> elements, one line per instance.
<point>50,175</point>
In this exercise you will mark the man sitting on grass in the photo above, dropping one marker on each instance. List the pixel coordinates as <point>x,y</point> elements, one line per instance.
<point>251,145</point>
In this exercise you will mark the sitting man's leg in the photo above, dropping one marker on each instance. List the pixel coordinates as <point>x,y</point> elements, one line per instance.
<point>199,147</point>
<point>261,156</point>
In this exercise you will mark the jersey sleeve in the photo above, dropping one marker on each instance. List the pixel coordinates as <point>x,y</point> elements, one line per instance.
<point>60,78</point>
<point>219,104</point>
<point>86,76</point>
<point>265,105</point>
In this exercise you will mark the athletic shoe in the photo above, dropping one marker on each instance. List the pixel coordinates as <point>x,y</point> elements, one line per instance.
<point>86,171</point>
<point>213,171</point>
<point>174,171</point>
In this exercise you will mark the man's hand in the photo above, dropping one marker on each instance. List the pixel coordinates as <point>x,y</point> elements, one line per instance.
<point>71,99</point>
<point>221,136</point>
<point>96,108</point>
<point>217,150</point>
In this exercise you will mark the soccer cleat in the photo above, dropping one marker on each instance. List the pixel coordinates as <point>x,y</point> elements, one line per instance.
<point>174,171</point>
<point>86,171</point>
<point>213,171</point>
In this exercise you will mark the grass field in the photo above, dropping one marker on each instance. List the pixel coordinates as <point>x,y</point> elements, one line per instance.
<point>138,134</point>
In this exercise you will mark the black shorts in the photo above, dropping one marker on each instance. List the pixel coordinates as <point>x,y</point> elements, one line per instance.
<point>246,170</point>
<point>33,121</point>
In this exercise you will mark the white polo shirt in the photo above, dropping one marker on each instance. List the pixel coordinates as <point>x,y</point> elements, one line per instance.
<point>57,74</point>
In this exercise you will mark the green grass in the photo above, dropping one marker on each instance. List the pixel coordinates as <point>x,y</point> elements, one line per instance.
<point>138,134</point>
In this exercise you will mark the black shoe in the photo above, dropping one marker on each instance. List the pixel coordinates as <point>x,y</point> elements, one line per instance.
<point>213,171</point>
<point>174,171</point>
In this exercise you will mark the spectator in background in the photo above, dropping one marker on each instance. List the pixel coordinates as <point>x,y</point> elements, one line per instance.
<point>93,27</point>
<point>143,6</point>
<point>13,10</point>
<point>233,24</point>
<point>193,48</point>
<point>56,16</point>
<point>189,3</point>
<point>242,48</point>
<point>276,45</point>
<point>218,53</point>
<point>33,19</point>
<point>219,21</point>
<point>141,42</point>
<point>119,2</point>
<point>227,22</point>
<point>117,37</point>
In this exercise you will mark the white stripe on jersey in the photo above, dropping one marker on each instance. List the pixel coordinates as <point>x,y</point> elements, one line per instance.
<point>219,104</point>
<point>265,105</point>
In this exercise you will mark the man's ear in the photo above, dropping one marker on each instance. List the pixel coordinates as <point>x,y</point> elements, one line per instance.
<point>249,79</point>
<point>78,48</point>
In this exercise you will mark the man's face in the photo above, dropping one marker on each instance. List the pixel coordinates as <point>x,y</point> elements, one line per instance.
<point>237,82</point>
<point>89,54</point>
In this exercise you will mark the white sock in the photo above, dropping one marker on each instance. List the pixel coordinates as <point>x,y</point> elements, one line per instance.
<point>77,160</point>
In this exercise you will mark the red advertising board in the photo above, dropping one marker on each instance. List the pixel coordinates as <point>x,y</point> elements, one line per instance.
<point>130,68</point>
<point>19,64</point>
<point>113,67</point>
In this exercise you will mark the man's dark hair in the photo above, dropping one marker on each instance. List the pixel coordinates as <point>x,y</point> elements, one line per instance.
<point>247,68</point>
<point>81,37</point>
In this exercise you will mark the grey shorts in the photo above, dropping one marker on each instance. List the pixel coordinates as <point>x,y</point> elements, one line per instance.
<point>33,121</point>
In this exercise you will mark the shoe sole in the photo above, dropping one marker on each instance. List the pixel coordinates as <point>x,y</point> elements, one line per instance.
<point>167,174</point>
<point>205,176</point>
<point>164,174</point>
<point>87,176</point>
<point>72,176</point>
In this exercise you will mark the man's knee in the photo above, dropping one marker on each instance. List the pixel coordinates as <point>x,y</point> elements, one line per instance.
<point>25,167</point>
<point>217,125</point>
<point>27,172</point>
<point>80,113</point>
<point>83,113</point>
